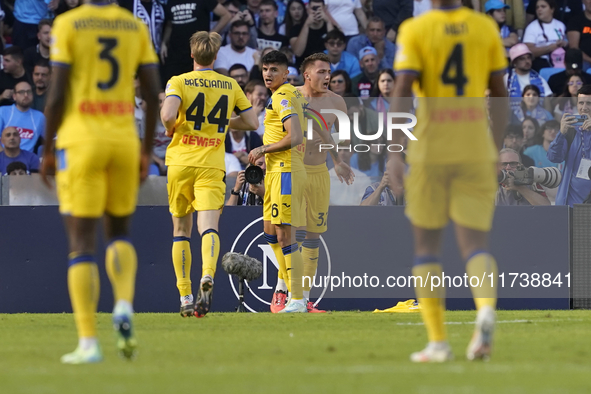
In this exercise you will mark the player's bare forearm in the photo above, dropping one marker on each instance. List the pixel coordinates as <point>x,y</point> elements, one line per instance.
<point>149,83</point>
<point>498,108</point>
<point>169,112</point>
<point>54,107</point>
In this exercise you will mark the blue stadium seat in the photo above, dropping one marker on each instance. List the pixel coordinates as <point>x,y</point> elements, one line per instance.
<point>547,72</point>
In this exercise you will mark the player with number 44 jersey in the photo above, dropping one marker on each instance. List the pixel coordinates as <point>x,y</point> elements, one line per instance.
<point>196,113</point>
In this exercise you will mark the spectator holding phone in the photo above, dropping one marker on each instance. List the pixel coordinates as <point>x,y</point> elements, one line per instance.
<point>573,146</point>
<point>307,38</point>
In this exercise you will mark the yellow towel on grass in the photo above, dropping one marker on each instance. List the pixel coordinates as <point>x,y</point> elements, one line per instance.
<point>408,306</point>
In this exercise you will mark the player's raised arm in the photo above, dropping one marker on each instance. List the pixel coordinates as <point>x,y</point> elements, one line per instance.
<point>149,83</point>
<point>54,112</point>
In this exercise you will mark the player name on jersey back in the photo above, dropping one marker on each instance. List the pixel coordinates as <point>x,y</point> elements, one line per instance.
<point>453,53</point>
<point>208,83</point>
<point>103,46</point>
<point>207,101</point>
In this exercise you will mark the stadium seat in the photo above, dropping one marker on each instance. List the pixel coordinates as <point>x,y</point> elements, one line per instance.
<point>547,72</point>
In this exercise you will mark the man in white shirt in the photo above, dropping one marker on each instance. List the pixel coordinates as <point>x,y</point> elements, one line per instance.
<point>236,52</point>
<point>521,74</point>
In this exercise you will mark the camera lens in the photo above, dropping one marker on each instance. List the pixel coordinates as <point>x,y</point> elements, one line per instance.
<point>253,175</point>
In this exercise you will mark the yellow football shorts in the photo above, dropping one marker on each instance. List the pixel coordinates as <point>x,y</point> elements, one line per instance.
<point>284,198</point>
<point>94,179</point>
<point>193,189</point>
<point>463,192</point>
<point>317,198</point>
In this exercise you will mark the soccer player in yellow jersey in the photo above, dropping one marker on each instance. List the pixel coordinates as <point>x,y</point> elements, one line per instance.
<point>450,55</point>
<point>96,50</point>
<point>315,70</point>
<point>286,176</point>
<point>204,101</point>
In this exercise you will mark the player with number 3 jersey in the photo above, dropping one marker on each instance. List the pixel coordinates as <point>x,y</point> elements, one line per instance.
<point>96,50</point>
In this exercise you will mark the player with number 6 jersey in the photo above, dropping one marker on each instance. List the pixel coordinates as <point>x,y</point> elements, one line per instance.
<point>204,101</point>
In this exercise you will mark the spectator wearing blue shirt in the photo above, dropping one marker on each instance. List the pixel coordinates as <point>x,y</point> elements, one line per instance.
<point>29,122</point>
<point>335,43</point>
<point>375,37</point>
<point>542,141</point>
<point>27,15</point>
<point>573,146</point>
<point>12,152</point>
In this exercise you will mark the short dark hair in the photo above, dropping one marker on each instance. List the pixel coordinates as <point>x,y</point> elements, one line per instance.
<point>252,84</point>
<point>237,66</point>
<point>585,89</point>
<point>15,165</point>
<point>269,2</point>
<point>531,87</point>
<point>42,62</point>
<point>334,34</point>
<point>376,19</point>
<point>313,58</point>
<point>514,129</point>
<point>275,57</point>
<point>316,1</point>
<point>551,125</point>
<point>239,23</point>
<point>44,22</point>
<point>14,51</point>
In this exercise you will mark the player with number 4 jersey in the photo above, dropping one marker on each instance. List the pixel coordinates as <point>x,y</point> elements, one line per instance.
<point>449,56</point>
<point>204,101</point>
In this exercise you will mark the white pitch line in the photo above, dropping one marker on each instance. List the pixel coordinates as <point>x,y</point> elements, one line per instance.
<point>500,321</point>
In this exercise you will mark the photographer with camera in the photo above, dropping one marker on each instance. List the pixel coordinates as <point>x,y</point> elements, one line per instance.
<point>513,192</point>
<point>245,193</point>
<point>573,146</point>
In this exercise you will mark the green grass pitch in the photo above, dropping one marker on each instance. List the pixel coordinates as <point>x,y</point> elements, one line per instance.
<point>342,352</point>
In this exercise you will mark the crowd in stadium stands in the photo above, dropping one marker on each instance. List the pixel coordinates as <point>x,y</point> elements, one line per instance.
<point>548,46</point>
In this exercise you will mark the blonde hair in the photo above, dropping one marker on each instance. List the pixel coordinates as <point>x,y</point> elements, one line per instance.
<point>205,46</point>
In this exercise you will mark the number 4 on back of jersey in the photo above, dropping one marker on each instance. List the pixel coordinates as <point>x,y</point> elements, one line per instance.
<point>455,62</point>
